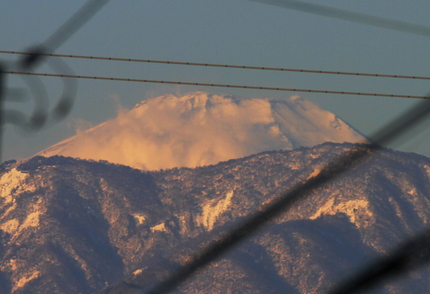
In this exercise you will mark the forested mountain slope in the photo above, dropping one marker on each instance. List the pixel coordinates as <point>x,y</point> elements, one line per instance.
<point>76,226</point>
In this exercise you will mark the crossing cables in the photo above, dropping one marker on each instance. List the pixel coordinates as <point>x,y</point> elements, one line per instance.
<point>41,114</point>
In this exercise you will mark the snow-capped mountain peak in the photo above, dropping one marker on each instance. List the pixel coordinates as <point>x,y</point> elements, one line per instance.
<point>201,129</point>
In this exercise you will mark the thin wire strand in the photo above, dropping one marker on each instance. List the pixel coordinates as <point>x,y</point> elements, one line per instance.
<point>218,85</point>
<point>350,16</point>
<point>62,34</point>
<point>411,255</point>
<point>74,23</point>
<point>222,65</point>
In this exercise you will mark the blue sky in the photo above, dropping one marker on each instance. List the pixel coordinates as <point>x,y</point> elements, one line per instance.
<point>228,32</point>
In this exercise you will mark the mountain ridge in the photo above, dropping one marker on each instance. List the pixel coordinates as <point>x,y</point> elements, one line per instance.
<point>71,225</point>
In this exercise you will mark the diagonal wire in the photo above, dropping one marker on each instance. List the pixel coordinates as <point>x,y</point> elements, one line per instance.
<point>222,65</point>
<point>300,191</point>
<point>410,255</point>
<point>74,23</point>
<point>62,34</point>
<point>347,15</point>
<point>217,85</point>
<point>40,116</point>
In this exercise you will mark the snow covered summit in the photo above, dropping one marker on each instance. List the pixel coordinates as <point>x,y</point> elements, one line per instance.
<point>201,129</point>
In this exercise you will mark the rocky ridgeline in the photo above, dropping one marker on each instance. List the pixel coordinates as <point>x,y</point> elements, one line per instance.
<point>76,226</point>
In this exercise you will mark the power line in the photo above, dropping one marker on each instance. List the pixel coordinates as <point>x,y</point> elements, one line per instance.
<point>217,85</point>
<point>73,24</point>
<point>41,114</point>
<point>222,65</point>
<point>409,256</point>
<point>63,33</point>
<point>350,16</point>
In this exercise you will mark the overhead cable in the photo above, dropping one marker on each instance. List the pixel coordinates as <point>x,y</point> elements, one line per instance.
<point>350,16</point>
<point>217,85</point>
<point>63,33</point>
<point>223,65</point>
<point>411,255</point>
<point>74,23</point>
<point>41,113</point>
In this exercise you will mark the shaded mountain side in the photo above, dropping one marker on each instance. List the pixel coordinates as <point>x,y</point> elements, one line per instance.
<point>56,226</point>
<point>76,226</point>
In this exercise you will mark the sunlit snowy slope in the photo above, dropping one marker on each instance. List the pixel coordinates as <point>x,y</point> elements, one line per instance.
<point>202,129</point>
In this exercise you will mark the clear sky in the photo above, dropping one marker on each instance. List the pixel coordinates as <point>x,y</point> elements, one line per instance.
<point>228,32</point>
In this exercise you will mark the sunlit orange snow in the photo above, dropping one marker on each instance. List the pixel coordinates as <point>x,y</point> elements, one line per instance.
<point>201,129</point>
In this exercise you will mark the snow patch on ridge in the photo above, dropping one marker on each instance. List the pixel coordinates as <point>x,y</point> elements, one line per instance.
<point>10,227</point>
<point>138,271</point>
<point>159,228</point>
<point>314,173</point>
<point>140,218</point>
<point>12,183</point>
<point>212,209</point>
<point>357,210</point>
<point>25,279</point>
<point>32,220</point>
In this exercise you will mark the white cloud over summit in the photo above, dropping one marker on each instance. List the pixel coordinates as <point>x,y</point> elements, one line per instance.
<point>200,129</point>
